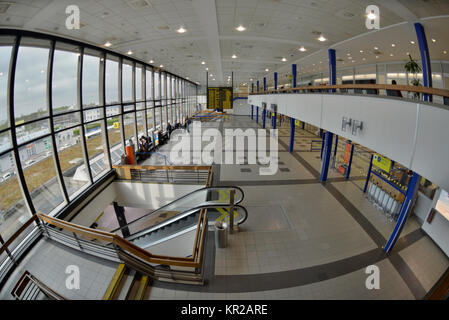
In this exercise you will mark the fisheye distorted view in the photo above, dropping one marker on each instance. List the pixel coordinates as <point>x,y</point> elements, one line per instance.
<point>199,150</point>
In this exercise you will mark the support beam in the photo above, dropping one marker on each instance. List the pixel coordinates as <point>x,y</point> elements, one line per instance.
<point>275,77</point>
<point>332,68</point>
<point>120,214</point>
<point>257,114</point>
<point>264,116</point>
<point>294,75</point>
<point>406,209</point>
<point>425,59</point>
<point>348,171</point>
<point>326,156</point>
<point>292,134</point>
<point>264,84</point>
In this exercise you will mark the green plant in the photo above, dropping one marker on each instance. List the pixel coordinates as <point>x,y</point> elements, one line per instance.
<point>413,67</point>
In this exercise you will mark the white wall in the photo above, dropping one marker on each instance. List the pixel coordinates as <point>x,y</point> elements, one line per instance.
<point>241,108</point>
<point>150,195</point>
<point>413,134</point>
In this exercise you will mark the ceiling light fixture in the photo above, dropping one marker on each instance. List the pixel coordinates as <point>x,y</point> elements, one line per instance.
<point>203,62</point>
<point>393,45</point>
<point>234,56</point>
<point>371,16</point>
<point>433,40</point>
<point>107,44</point>
<point>207,69</point>
<point>181,30</point>
<point>240,28</point>
<point>267,70</point>
<point>302,49</point>
<point>412,42</point>
<point>284,60</point>
<point>151,61</point>
<point>129,52</point>
<point>361,51</point>
<point>322,38</point>
<point>161,66</point>
<point>376,48</point>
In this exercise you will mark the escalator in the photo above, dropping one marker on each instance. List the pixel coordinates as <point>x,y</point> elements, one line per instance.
<point>181,215</point>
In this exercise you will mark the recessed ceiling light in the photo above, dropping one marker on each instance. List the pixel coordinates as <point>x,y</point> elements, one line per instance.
<point>376,48</point>
<point>361,51</point>
<point>348,54</point>
<point>211,75</point>
<point>129,52</point>
<point>234,56</point>
<point>240,28</point>
<point>251,79</point>
<point>322,38</point>
<point>203,62</point>
<point>377,57</point>
<point>213,79</point>
<point>433,40</point>
<point>393,45</point>
<point>371,16</point>
<point>302,49</point>
<point>445,52</point>
<point>161,66</point>
<point>391,55</point>
<point>151,61</point>
<point>187,78</point>
<point>207,69</point>
<point>284,60</point>
<point>267,69</point>
<point>181,30</point>
<point>364,59</point>
<point>107,44</point>
<point>412,42</point>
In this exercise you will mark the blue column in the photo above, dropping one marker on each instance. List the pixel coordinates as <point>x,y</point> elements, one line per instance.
<point>407,205</point>
<point>275,76</point>
<point>264,84</point>
<point>264,115</point>
<point>425,58</point>
<point>323,142</point>
<point>303,125</point>
<point>294,72</point>
<point>292,134</point>
<point>369,174</point>
<point>348,172</point>
<point>257,86</point>
<point>326,156</point>
<point>332,68</point>
<point>335,151</point>
<point>252,107</point>
<point>257,114</point>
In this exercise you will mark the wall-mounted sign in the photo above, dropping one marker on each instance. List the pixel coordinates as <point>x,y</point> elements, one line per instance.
<point>297,123</point>
<point>219,98</point>
<point>382,162</point>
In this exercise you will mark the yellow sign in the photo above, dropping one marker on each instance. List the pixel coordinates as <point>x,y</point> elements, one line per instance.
<point>297,123</point>
<point>382,162</point>
<point>116,125</point>
<point>219,98</point>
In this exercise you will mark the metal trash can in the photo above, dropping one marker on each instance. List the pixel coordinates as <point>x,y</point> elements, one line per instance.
<point>221,234</point>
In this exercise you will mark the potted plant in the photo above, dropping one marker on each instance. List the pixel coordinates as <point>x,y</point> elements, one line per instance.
<point>412,67</point>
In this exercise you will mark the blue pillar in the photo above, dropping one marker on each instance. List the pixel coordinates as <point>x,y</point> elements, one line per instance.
<point>275,76</point>
<point>332,68</point>
<point>407,205</point>
<point>323,141</point>
<point>252,107</point>
<point>335,151</point>
<point>292,134</point>
<point>257,86</point>
<point>303,125</point>
<point>348,172</point>
<point>425,58</point>
<point>257,114</point>
<point>264,84</point>
<point>264,115</point>
<point>326,156</point>
<point>369,174</point>
<point>294,72</point>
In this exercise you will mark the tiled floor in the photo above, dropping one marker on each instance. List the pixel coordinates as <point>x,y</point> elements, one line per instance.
<point>302,239</point>
<point>48,261</point>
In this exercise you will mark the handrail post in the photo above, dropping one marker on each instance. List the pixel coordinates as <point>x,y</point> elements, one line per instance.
<point>231,211</point>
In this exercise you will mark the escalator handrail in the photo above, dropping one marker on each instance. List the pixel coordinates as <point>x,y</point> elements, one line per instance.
<point>183,215</point>
<point>183,197</point>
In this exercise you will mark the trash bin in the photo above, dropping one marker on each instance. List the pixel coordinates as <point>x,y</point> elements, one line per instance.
<point>221,234</point>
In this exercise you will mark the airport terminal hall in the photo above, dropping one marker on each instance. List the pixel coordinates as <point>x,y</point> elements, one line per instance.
<point>224,156</point>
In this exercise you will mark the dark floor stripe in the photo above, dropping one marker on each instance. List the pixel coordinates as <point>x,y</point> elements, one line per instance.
<point>407,275</point>
<point>262,183</point>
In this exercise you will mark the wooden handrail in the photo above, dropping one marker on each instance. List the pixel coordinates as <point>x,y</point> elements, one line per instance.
<point>16,234</point>
<point>143,167</point>
<point>417,89</point>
